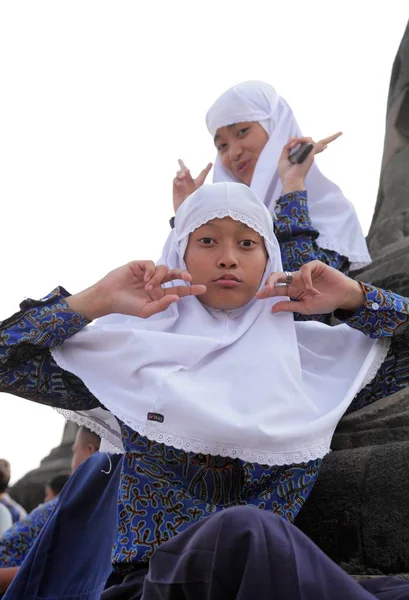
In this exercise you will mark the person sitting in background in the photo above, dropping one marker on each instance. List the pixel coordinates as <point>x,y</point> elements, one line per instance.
<point>86,443</point>
<point>17,541</point>
<point>5,519</point>
<point>17,512</point>
<point>54,487</point>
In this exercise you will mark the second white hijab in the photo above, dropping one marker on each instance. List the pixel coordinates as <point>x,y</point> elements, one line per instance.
<point>331,213</point>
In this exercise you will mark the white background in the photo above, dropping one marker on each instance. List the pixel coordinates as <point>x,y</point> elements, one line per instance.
<point>99,99</point>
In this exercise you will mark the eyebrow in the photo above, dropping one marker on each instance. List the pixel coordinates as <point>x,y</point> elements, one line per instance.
<point>216,137</point>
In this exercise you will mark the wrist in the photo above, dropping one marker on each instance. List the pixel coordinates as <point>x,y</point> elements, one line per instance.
<point>293,185</point>
<point>91,303</point>
<point>353,298</point>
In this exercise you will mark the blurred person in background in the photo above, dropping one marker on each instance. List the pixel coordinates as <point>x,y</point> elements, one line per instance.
<point>17,541</point>
<point>17,512</point>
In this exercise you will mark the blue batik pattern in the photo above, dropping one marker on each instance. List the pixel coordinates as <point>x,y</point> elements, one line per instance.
<point>15,543</point>
<point>164,490</point>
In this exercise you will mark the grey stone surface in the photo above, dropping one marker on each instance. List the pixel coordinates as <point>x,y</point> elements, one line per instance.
<point>391,216</point>
<point>383,422</point>
<point>358,512</point>
<point>388,237</point>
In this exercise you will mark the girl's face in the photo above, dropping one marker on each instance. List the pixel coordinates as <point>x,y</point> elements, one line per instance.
<point>239,146</point>
<point>230,259</point>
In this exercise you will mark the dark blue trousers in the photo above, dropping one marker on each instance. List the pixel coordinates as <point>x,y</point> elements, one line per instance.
<point>242,553</point>
<point>245,553</point>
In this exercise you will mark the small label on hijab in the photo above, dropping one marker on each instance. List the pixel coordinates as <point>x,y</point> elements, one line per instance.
<point>155,417</point>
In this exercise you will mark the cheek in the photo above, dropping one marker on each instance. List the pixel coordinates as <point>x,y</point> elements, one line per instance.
<point>225,160</point>
<point>258,150</point>
<point>258,268</point>
<point>194,263</point>
<point>258,142</point>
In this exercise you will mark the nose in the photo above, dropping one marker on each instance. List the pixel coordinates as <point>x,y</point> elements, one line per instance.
<point>227,262</point>
<point>235,150</point>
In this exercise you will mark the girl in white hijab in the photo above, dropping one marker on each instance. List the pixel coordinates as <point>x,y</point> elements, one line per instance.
<point>250,124</point>
<point>222,399</point>
<point>195,365</point>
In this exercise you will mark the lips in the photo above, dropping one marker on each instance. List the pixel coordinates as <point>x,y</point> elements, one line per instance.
<point>227,281</point>
<point>228,277</point>
<point>242,166</point>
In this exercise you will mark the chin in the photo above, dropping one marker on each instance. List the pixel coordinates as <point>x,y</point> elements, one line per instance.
<point>219,303</point>
<point>245,180</point>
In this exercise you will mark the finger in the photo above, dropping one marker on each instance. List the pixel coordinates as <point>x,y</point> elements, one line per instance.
<point>299,140</point>
<point>148,266</point>
<point>156,306</point>
<point>157,276</point>
<point>289,306</point>
<point>306,278</point>
<point>173,274</point>
<point>202,176</point>
<point>185,290</point>
<point>189,180</point>
<point>331,138</point>
<point>270,288</point>
<point>182,165</point>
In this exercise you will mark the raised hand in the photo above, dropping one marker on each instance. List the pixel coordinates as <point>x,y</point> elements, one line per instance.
<point>317,289</point>
<point>184,184</point>
<point>293,175</point>
<point>134,289</point>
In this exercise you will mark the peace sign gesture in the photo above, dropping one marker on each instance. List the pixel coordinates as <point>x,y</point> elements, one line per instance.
<point>134,289</point>
<point>315,289</point>
<point>184,184</point>
<point>293,175</point>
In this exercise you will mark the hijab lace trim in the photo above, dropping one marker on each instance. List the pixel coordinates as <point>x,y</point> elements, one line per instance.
<point>188,444</point>
<point>113,442</point>
<point>236,216</point>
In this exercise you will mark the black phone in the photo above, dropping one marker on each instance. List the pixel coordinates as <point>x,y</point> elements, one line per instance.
<point>299,153</point>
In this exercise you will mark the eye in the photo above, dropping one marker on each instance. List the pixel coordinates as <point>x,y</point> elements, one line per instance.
<point>247,243</point>
<point>241,132</point>
<point>207,241</point>
<point>221,147</point>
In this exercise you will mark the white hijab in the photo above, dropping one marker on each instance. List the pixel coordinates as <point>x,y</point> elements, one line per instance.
<point>244,383</point>
<point>332,215</point>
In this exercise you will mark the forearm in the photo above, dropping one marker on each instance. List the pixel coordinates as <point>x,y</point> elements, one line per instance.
<point>381,314</point>
<point>297,236</point>
<point>27,368</point>
<point>6,577</point>
<point>42,324</point>
<point>90,303</point>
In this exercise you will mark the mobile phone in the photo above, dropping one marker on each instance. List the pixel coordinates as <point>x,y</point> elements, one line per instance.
<point>299,153</point>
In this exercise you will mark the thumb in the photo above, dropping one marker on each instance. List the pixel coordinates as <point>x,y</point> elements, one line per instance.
<point>289,306</point>
<point>202,176</point>
<point>156,306</point>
